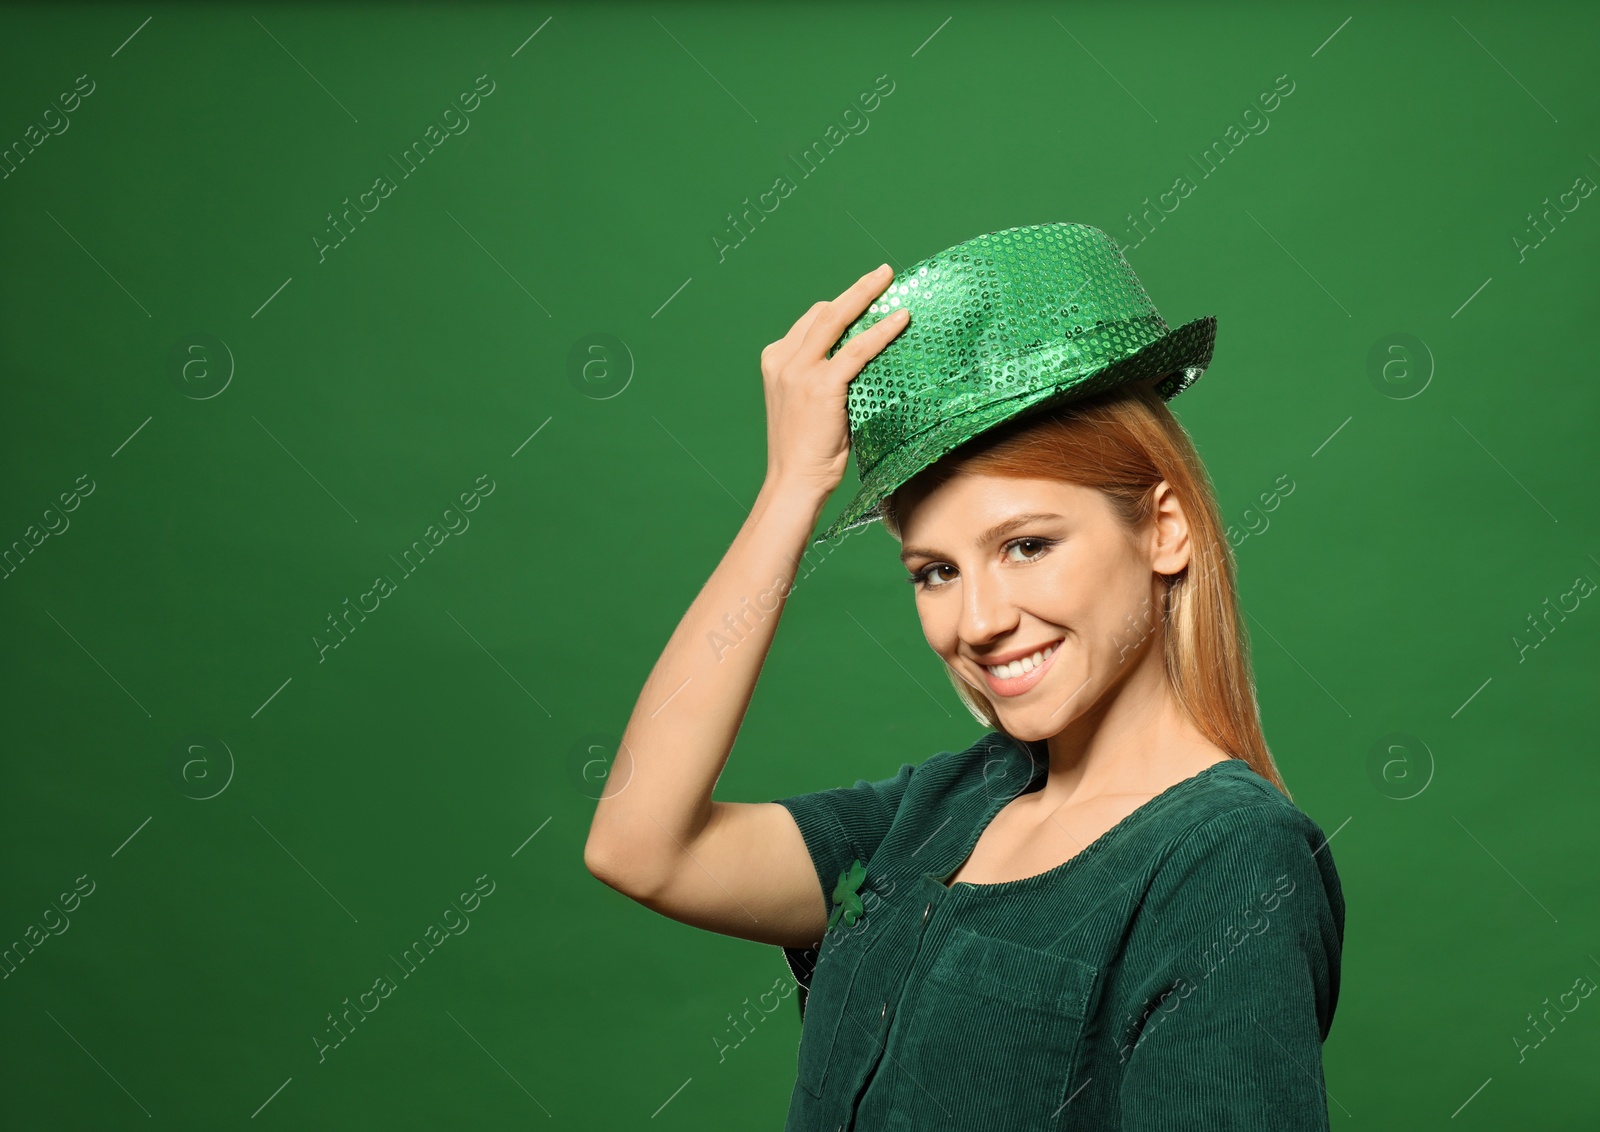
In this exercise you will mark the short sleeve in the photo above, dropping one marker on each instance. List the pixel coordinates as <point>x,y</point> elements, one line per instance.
<point>841,825</point>
<point>847,823</point>
<point>1249,921</point>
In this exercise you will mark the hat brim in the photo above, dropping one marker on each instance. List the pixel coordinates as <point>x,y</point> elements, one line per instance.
<point>1174,361</point>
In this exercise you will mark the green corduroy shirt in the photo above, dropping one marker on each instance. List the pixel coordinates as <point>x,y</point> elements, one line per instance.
<point>1180,972</point>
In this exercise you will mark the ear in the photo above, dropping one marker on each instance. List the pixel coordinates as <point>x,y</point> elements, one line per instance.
<point>1169,540</point>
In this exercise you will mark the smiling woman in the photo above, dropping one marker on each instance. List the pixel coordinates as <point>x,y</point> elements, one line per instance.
<point>1040,931</point>
<point>1122,479</point>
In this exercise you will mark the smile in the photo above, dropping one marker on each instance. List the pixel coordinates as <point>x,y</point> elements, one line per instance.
<point>1019,675</point>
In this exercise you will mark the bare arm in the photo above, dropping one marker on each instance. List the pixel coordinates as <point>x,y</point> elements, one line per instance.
<point>657,836</point>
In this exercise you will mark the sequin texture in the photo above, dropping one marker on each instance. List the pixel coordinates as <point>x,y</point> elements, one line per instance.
<point>1002,324</point>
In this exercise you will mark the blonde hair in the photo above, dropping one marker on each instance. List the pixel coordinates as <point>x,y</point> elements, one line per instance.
<point>1123,443</point>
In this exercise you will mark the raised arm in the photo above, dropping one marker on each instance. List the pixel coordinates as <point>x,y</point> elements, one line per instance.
<point>657,836</point>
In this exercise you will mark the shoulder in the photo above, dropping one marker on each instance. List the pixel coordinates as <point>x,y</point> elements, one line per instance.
<point>994,763</point>
<point>1233,798</point>
<point>993,766</point>
<point>1240,835</point>
<point>913,792</point>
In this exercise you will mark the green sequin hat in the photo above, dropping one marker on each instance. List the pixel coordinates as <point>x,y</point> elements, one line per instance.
<point>1004,324</point>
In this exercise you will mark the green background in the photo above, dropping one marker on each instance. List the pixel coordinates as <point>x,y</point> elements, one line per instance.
<point>266,827</point>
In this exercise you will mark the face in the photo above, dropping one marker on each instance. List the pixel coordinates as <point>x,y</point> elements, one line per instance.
<point>1035,593</point>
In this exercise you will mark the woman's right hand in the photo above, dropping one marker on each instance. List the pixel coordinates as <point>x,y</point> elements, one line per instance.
<point>808,429</point>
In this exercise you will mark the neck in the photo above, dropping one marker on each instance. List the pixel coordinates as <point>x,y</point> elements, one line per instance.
<point>1136,739</point>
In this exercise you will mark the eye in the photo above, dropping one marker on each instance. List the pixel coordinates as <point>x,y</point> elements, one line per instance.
<point>923,578</point>
<point>1039,546</point>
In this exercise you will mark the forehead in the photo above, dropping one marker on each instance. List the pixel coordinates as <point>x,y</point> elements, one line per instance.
<point>969,502</point>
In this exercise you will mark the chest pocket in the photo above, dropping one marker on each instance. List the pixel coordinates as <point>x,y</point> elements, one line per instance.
<point>993,1039</point>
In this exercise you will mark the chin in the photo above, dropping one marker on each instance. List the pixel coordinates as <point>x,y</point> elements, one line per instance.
<point>1026,730</point>
<point>1048,716</point>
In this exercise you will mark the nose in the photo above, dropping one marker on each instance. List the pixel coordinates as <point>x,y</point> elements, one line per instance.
<point>987,611</point>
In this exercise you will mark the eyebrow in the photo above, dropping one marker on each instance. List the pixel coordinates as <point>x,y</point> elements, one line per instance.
<point>988,536</point>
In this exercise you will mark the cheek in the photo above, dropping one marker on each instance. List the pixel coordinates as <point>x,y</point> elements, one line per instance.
<point>938,627</point>
<point>1096,610</point>
<point>1123,627</point>
<point>1060,596</point>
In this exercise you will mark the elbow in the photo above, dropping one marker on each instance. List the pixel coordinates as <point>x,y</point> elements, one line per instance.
<point>619,858</point>
<point>603,864</point>
<point>599,862</point>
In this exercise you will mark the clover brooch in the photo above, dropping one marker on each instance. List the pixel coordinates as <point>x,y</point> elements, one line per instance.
<point>846,895</point>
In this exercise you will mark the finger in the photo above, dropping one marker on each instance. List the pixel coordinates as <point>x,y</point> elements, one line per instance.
<point>801,328</point>
<point>803,323</point>
<point>777,354</point>
<point>831,322</point>
<point>856,353</point>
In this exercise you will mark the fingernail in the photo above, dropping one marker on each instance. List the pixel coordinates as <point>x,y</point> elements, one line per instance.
<point>885,267</point>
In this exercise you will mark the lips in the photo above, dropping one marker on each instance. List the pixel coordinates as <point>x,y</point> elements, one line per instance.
<point>1016,685</point>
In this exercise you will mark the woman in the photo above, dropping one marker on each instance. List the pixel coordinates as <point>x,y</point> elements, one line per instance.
<point>1105,913</point>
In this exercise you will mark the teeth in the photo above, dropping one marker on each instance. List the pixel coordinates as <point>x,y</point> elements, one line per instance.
<point>1018,667</point>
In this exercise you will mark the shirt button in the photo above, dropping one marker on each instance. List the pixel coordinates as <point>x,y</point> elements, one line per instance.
<point>926,910</point>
